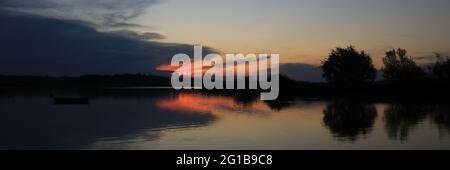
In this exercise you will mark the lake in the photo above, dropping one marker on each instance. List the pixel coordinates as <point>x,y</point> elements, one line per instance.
<point>164,119</point>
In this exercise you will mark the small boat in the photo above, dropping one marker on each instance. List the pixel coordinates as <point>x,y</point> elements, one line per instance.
<point>71,100</point>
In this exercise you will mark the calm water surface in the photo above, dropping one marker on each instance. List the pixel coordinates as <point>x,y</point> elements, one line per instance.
<point>168,120</point>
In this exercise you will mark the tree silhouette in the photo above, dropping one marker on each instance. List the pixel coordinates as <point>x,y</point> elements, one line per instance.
<point>400,67</point>
<point>441,69</point>
<point>348,66</point>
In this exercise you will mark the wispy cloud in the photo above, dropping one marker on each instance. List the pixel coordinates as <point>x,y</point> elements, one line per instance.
<point>101,12</point>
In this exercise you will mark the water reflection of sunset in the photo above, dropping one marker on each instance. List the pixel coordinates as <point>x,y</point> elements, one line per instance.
<point>194,103</point>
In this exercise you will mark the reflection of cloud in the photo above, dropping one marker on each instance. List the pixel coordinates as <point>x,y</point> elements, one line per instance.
<point>116,118</point>
<point>193,103</point>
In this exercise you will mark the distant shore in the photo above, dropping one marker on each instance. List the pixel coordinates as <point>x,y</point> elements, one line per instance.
<point>289,89</point>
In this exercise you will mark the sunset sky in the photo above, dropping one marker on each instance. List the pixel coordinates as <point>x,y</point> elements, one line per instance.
<point>304,30</point>
<point>106,36</point>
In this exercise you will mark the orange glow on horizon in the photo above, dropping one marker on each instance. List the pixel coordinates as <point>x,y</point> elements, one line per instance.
<point>203,69</point>
<point>168,68</point>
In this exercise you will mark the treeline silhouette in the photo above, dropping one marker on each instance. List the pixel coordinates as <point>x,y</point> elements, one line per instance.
<point>351,73</point>
<point>350,67</point>
<point>348,71</point>
<point>86,81</point>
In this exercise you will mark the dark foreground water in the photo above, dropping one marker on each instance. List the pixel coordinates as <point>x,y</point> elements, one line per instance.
<point>168,120</point>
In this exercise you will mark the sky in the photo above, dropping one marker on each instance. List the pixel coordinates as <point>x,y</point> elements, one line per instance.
<point>138,35</point>
<point>305,30</point>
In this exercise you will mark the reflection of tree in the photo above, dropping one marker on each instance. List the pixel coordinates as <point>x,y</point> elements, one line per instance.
<point>349,119</point>
<point>278,105</point>
<point>246,99</point>
<point>400,119</point>
<point>441,116</point>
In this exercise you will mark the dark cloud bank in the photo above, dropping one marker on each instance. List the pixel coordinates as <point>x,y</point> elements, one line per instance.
<point>47,46</point>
